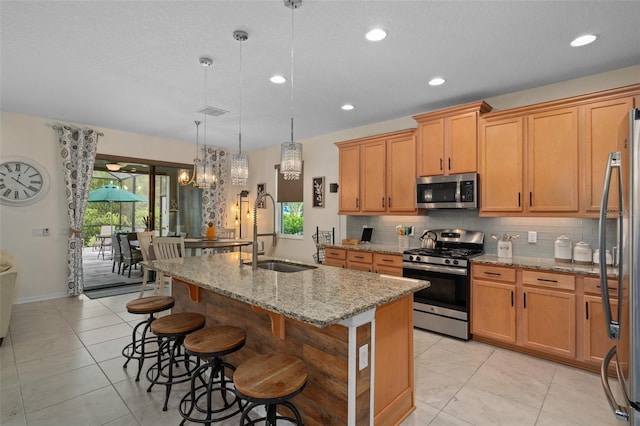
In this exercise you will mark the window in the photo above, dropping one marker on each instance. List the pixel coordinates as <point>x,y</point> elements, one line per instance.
<point>290,204</point>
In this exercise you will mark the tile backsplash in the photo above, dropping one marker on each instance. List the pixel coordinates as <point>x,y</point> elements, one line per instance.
<point>548,229</point>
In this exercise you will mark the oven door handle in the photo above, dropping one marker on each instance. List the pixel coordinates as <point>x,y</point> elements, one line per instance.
<point>434,268</point>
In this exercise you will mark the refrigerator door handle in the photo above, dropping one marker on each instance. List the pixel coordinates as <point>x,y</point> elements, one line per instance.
<point>621,412</point>
<point>614,161</point>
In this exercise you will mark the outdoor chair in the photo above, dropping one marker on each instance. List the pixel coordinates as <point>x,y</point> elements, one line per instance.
<point>117,253</point>
<point>130,256</point>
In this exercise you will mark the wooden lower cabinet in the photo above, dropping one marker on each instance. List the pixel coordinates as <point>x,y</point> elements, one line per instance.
<point>549,321</point>
<point>360,261</point>
<point>558,316</point>
<point>335,257</point>
<point>493,311</point>
<point>387,264</point>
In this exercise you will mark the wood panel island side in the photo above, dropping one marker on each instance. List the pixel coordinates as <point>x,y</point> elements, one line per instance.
<point>353,330</point>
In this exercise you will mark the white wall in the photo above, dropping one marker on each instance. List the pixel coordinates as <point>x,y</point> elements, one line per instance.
<point>42,260</point>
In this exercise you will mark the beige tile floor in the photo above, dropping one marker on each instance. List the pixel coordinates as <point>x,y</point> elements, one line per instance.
<point>62,365</point>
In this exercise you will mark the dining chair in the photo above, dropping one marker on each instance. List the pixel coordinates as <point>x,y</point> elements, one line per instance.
<point>144,242</point>
<point>227,233</point>
<point>167,248</point>
<point>117,253</point>
<point>130,256</point>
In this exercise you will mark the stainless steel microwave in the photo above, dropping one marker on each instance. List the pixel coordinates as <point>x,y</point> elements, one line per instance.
<point>447,192</point>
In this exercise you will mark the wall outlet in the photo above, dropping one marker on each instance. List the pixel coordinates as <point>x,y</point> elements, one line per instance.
<point>40,232</point>
<point>363,359</point>
<point>532,237</point>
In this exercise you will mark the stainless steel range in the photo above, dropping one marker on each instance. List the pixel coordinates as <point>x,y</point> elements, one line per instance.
<point>444,306</point>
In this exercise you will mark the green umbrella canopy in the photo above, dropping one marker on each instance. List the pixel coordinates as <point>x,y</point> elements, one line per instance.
<point>110,192</point>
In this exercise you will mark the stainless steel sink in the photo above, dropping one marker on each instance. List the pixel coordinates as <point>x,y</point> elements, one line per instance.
<point>282,266</point>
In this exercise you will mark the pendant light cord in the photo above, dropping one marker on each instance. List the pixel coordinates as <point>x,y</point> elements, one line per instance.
<point>292,10</point>
<point>205,116</point>
<point>240,115</point>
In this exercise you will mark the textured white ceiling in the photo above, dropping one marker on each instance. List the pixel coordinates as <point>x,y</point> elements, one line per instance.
<point>133,65</point>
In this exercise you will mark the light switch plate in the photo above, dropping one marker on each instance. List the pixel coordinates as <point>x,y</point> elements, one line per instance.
<point>363,359</point>
<point>532,237</point>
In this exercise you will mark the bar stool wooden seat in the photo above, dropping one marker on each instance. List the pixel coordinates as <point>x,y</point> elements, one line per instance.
<point>210,344</point>
<point>270,380</point>
<point>142,346</point>
<point>176,366</point>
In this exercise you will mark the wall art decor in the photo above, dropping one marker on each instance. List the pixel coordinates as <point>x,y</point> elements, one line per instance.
<point>318,191</point>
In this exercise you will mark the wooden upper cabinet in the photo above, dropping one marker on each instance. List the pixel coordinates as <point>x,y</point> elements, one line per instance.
<point>378,174</point>
<point>552,161</point>
<point>602,125</point>
<point>373,176</point>
<point>448,140</point>
<point>501,158</point>
<point>401,174</point>
<point>431,148</point>
<point>349,178</point>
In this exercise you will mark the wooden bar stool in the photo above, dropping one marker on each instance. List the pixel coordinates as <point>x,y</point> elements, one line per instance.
<point>141,346</point>
<point>171,331</point>
<point>210,344</point>
<point>270,380</point>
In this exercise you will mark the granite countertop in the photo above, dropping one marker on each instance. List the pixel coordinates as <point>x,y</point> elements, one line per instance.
<point>377,248</point>
<point>545,265</point>
<point>321,296</point>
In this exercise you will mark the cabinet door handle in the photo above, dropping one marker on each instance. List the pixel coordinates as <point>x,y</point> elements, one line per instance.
<point>547,280</point>
<point>382,202</point>
<point>530,198</point>
<point>586,309</point>
<point>387,260</point>
<point>511,297</point>
<point>609,288</point>
<point>519,204</point>
<point>525,300</point>
<point>389,203</point>
<point>497,274</point>
<point>441,164</point>
<point>449,163</point>
<point>357,203</point>
<point>359,257</point>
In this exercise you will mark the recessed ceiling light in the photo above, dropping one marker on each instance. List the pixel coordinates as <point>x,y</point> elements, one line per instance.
<point>376,34</point>
<point>583,40</point>
<point>347,107</point>
<point>436,81</point>
<point>278,79</point>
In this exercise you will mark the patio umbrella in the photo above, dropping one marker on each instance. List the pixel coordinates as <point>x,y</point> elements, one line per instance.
<point>112,193</point>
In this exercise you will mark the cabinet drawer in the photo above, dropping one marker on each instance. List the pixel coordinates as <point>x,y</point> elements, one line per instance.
<point>494,273</point>
<point>359,256</point>
<point>332,253</point>
<point>550,280</point>
<point>387,260</point>
<point>592,286</point>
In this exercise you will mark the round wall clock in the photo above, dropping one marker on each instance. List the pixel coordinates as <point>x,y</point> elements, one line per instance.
<point>22,181</point>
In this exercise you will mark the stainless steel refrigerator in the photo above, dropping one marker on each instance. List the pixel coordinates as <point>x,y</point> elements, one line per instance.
<point>623,170</point>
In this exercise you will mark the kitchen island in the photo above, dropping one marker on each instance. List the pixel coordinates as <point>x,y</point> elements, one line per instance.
<point>353,330</point>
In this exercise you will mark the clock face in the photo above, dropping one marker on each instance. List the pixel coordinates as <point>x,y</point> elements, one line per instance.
<point>22,182</point>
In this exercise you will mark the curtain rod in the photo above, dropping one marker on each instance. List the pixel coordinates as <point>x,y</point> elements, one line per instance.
<point>56,127</point>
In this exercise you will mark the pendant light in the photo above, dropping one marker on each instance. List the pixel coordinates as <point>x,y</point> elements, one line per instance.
<point>240,161</point>
<point>291,152</point>
<point>205,177</point>
<point>183,175</point>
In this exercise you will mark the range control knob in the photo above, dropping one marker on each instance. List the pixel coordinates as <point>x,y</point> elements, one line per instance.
<point>455,262</point>
<point>411,258</point>
<point>447,261</point>
<point>417,258</point>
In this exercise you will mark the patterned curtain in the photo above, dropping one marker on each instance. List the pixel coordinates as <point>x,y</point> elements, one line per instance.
<point>214,199</point>
<point>78,151</point>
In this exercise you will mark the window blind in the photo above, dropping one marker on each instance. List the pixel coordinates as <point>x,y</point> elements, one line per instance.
<point>289,191</point>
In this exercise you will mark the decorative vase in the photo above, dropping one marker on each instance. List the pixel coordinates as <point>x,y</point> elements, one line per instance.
<point>211,232</point>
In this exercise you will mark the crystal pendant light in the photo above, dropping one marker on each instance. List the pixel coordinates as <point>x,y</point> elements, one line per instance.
<point>205,176</point>
<point>240,161</point>
<point>291,152</point>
